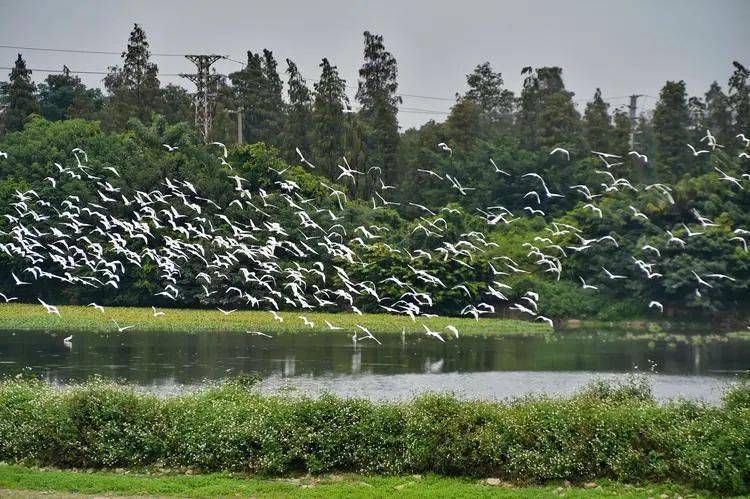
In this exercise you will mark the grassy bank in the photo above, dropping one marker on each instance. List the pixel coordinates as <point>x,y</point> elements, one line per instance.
<point>606,432</point>
<point>33,317</point>
<point>15,478</point>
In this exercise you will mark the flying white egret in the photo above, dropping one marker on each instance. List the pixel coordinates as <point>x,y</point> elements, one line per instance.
<point>641,157</point>
<point>302,158</point>
<point>657,305</point>
<point>225,153</point>
<point>98,307</point>
<point>51,309</point>
<point>613,276</point>
<point>368,333</point>
<point>445,148</point>
<point>121,329</point>
<point>546,319</point>
<point>7,298</point>
<point>560,149</point>
<point>276,316</point>
<point>432,333</point>
<point>18,281</point>
<point>701,281</point>
<point>498,170</point>
<point>697,153</point>
<point>586,286</point>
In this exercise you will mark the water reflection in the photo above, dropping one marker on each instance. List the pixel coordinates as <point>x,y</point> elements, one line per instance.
<point>471,362</point>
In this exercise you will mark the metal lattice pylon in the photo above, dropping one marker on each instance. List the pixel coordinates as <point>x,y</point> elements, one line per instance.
<point>204,97</point>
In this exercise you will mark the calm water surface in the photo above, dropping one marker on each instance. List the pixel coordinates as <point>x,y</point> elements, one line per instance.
<point>489,367</point>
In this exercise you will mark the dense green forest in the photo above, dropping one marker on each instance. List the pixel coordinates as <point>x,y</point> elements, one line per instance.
<point>472,188</point>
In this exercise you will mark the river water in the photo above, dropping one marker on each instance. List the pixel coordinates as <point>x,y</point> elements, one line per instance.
<point>482,366</point>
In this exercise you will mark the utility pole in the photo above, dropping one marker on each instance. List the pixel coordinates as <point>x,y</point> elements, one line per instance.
<point>633,107</point>
<point>238,112</point>
<point>204,98</point>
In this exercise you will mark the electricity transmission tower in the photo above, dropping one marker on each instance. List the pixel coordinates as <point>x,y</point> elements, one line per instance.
<point>205,83</point>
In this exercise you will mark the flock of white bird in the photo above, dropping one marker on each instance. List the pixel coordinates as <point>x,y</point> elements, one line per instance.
<point>259,263</point>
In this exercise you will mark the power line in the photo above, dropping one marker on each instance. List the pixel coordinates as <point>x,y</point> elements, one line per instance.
<point>77,51</point>
<point>77,72</point>
<point>161,54</point>
<point>104,73</point>
<point>107,52</point>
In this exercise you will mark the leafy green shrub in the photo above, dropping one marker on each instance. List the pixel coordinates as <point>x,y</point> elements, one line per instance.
<point>615,431</point>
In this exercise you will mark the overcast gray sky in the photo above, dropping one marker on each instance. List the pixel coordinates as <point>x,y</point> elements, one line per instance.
<point>624,47</point>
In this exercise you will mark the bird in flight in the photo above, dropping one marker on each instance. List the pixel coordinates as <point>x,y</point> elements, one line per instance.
<point>121,329</point>
<point>560,150</point>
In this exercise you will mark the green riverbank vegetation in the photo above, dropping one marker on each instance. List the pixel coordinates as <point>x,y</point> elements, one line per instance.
<point>31,317</point>
<point>616,432</point>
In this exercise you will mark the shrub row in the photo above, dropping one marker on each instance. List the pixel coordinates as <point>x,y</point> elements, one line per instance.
<point>606,431</point>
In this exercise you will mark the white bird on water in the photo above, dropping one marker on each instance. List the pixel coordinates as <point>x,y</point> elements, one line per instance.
<point>68,341</point>
<point>258,333</point>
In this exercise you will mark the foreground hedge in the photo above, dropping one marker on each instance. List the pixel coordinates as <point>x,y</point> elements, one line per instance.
<point>604,432</point>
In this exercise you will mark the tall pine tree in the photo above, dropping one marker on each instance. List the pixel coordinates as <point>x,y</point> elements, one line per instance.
<point>258,91</point>
<point>329,126</point>
<point>547,115</point>
<point>272,99</point>
<point>18,97</point>
<point>719,116</point>
<point>486,89</point>
<point>134,88</point>
<point>298,125</point>
<point>739,98</point>
<point>671,121</point>
<point>620,141</point>
<point>597,125</point>
<point>376,92</point>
